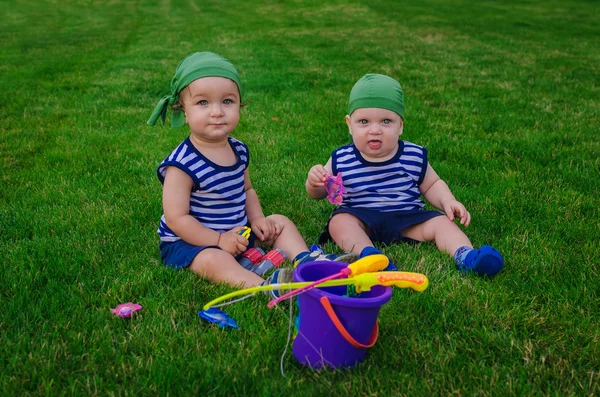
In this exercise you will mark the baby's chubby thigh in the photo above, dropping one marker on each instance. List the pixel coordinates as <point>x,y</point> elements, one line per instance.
<point>431,228</point>
<point>220,266</point>
<point>349,232</point>
<point>281,223</point>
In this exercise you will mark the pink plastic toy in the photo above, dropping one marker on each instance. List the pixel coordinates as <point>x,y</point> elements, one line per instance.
<point>335,189</point>
<point>125,310</point>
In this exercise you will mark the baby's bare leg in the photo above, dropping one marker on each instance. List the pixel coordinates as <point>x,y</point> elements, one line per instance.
<point>290,240</point>
<point>219,266</point>
<point>349,233</point>
<point>447,235</point>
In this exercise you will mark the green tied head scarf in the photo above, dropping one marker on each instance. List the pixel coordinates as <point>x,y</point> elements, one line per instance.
<point>377,91</point>
<point>193,67</point>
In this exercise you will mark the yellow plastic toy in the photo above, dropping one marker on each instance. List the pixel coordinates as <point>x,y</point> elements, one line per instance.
<point>363,279</point>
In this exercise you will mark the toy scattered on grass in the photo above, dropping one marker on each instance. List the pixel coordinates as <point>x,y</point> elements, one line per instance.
<point>337,317</point>
<point>126,310</point>
<point>214,315</point>
<point>335,188</point>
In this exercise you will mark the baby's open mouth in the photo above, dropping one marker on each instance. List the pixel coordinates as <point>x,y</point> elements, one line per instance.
<point>373,145</point>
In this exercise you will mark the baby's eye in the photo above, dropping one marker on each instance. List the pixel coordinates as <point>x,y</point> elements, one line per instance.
<point>363,121</point>
<point>203,102</point>
<point>227,101</point>
<point>387,121</point>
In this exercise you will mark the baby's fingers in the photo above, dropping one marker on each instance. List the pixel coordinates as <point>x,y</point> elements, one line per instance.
<point>259,233</point>
<point>465,220</point>
<point>266,233</point>
<point>237,229</point>
<point>316,179</point>
<point>278,229</point>
<point>241,247</point>
<point>449,213</point>
<point>322,172</point>
<point>274,229</point>
<point>464,216</point>
<point>319,172</point>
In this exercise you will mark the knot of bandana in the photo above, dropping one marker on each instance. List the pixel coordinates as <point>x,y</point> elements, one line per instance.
<point>193,67</point>
<point>177,120</point>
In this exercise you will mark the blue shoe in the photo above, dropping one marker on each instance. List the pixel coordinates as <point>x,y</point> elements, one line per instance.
<point>347,257</point>
<point>485,261</point>
<point>316,247</point>
<point>374,251</point>
<point>317,254</point>
<point>279,276</point>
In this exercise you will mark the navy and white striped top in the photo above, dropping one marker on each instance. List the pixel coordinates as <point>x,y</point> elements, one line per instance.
<point>392,185</point>
<point>218,197</point>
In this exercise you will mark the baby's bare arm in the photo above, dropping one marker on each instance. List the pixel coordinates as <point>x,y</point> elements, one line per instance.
<point>253,207</point>
<point>437,192</point>
<point>263,227</point>
<point>176,207</point>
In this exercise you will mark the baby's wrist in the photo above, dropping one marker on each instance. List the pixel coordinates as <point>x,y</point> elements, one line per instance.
<point>256,218</point>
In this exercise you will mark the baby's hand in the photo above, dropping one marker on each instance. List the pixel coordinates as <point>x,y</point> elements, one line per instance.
<point>232,242</point>
<point>265,229</point>
<point>317,176</point>
<point>454,209</point>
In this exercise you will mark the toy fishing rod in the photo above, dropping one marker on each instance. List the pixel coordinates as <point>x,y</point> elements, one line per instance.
<point>363,280</point>
<point>368,264</point>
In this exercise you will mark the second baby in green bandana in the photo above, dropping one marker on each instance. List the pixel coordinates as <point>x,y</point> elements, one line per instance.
<point>384,178</point>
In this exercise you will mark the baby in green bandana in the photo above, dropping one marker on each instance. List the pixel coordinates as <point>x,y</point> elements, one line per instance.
<point>384,178</point>
<point>208,198</point>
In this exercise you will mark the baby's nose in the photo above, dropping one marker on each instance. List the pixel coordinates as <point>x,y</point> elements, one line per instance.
<point>216,110</point>
<point>375,129</point>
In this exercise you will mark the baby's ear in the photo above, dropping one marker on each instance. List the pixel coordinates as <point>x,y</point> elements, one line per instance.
<point>348,123</point>
<point>184,114</point>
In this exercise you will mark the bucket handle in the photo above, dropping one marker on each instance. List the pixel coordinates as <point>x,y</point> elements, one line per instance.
<point>343,331</point>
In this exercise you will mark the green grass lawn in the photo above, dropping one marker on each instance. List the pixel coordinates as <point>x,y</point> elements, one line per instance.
<point>505,95</point>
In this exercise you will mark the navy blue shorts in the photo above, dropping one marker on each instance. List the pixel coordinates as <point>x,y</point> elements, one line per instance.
<point>179,254</point>
<point>384,227</point>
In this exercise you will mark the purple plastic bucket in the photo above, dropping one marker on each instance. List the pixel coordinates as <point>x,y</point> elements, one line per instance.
<point>320,343</point>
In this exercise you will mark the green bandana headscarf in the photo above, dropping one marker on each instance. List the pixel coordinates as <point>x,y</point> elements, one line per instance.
<point>377,91</point>
<point>193,67</point>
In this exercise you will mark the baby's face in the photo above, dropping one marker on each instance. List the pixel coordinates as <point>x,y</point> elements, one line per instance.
<point>212,108</point>
<point>375,132</point>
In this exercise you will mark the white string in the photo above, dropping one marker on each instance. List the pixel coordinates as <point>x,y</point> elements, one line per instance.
<point>235,300</point>
<point>319,352</point>
<point>287,343</point>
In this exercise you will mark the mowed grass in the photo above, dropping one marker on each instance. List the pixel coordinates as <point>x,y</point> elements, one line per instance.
<point>503,94</point>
